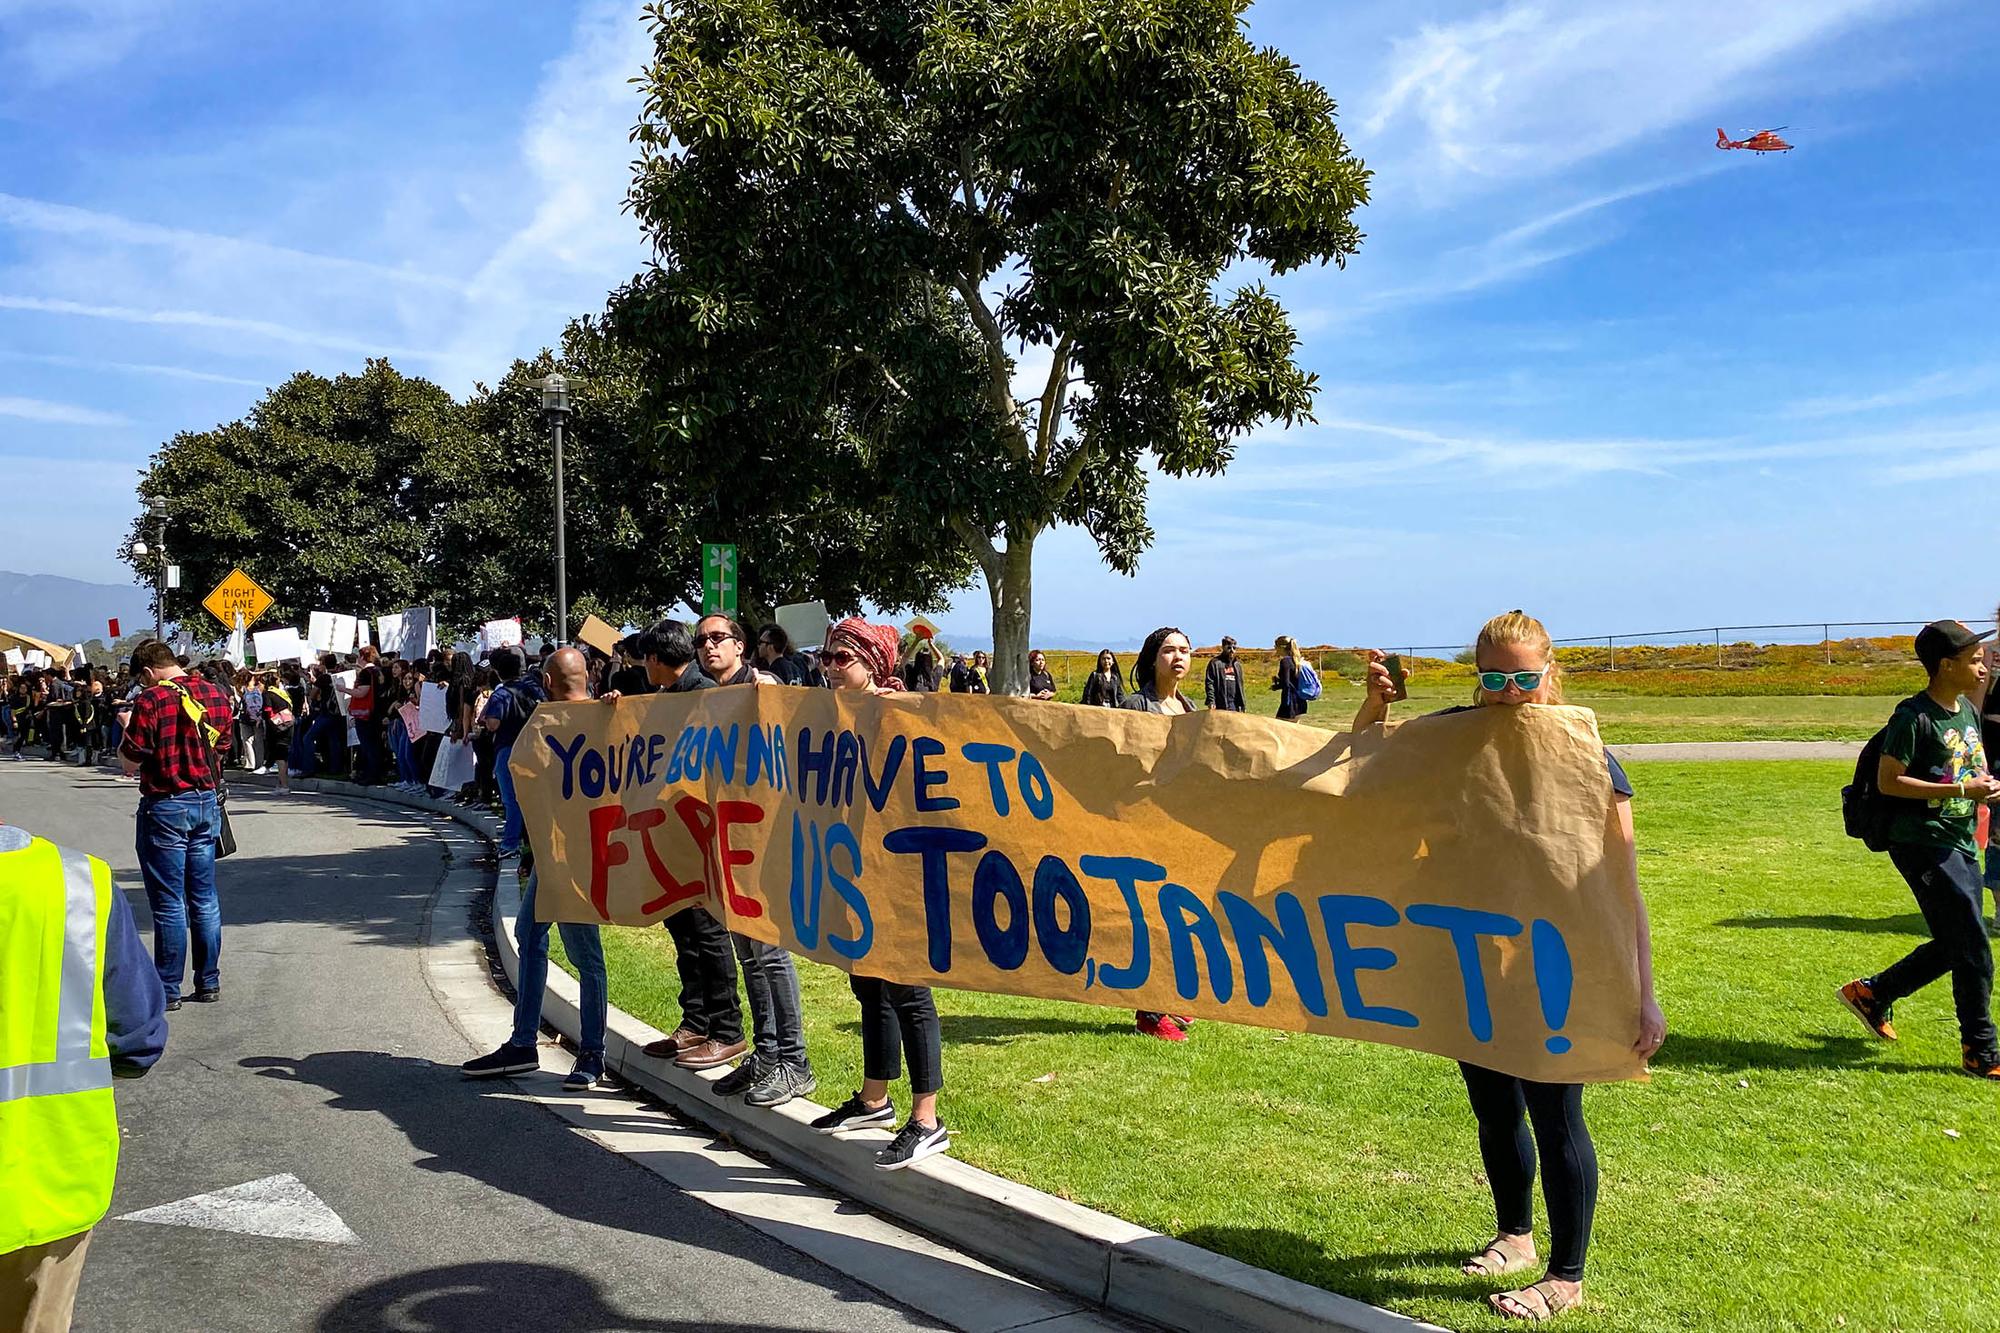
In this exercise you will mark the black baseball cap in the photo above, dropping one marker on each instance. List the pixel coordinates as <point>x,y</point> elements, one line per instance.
<point>1944,638</point>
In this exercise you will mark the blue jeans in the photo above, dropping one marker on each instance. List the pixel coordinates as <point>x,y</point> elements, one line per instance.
<point>585,949</point>
<point>406,756</point>
<point>331,725</point>
<point>510,824</point>
<point>177,836</point>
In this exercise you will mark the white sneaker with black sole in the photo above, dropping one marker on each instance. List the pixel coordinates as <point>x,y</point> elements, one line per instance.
<point>855,1114</point>
<point>913,1142</point>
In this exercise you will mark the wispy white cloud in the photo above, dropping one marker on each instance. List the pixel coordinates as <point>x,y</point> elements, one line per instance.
<point>202,319</point>
<point>1528,88</point>
<point>58,414</point>
<point>131,368</point>
<point>46,42</point>
<point>1932,388</point>
<point>577,243</point>
<point>205,247</point>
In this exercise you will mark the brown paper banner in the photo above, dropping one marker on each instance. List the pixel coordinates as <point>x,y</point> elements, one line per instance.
<point>1442,885</point>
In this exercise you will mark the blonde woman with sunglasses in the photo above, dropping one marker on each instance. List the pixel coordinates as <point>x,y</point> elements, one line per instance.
<point>1515,663</point>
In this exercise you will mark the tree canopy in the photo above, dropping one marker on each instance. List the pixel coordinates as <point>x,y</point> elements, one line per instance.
<point>869,213</point>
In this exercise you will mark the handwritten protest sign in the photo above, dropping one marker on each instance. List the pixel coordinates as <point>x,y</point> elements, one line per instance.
<point>16,658</point>
<point>1442,886</point>
<point>330,632</point>
<point>499,634</point>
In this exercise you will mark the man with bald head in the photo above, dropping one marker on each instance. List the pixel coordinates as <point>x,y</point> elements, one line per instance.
<point>566,676</point>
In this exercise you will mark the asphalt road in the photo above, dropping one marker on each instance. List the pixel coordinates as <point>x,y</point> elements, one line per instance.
<point>330,1060</point>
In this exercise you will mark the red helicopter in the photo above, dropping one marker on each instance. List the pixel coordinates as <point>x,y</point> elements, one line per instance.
<point>1763,141</point>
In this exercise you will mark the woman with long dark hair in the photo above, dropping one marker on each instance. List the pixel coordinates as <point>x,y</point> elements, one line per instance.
<point>1106,686</point>
<point>1163,664</point>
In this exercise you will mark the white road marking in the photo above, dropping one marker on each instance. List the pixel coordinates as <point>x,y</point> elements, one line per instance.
<point>278,1206</point>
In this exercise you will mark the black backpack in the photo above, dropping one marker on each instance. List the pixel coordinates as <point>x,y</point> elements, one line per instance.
<point>1864,810</point>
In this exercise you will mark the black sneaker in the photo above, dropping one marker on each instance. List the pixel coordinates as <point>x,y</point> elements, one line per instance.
<point>509,1059</point>
<point>913,1142</point>
<point>740,1079</point>
<point>855,1114</point>
<point>588,1073</point>
<point>173,1003</point>
<point>780,1085</point>
<point>213,995</point>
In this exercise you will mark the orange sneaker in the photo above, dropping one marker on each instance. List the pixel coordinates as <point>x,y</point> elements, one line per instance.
<point>1980,1066</point>
<point>1859,996</point>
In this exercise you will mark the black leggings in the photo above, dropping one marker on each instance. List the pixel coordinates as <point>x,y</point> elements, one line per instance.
<point>896,1019</point>
<point>1569,1160</point>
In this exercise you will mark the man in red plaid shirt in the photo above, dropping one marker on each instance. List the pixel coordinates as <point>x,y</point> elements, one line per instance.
<point>180,726</point>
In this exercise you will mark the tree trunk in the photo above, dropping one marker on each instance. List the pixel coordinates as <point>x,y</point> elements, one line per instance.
<point>1013,597</point>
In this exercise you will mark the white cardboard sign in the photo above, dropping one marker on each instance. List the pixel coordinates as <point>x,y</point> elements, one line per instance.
<point>280,645</point>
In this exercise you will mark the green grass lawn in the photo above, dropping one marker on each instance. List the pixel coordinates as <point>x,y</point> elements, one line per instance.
<point>1781,1171</point>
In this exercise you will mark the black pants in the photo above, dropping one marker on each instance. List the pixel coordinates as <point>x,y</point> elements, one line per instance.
<point>57,732</point>
<point>1946,883</point>
<point>1504,1106</point>
<point>707,965</point>
<point>897,1020</point>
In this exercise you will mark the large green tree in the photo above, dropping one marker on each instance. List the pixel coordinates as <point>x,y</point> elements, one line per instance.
<point>868,213</point>
<point>324,494</point>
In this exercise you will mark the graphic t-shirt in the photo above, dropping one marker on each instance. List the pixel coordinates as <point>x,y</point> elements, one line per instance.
<point>1936,744</point>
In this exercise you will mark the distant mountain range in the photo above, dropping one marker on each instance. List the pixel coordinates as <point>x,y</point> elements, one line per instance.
<point>70,610</point>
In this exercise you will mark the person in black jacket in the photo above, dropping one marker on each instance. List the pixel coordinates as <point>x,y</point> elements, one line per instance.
<point>1287,681</point>
<point>1106,686</point>
<point>1156,679</point>
<point>1041,685</point>
<point>1222,684</point>
<point>920,673</point>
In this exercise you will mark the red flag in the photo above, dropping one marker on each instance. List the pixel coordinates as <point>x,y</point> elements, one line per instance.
<point>114,629</point>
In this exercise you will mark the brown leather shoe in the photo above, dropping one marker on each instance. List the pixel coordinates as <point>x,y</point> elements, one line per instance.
<point>710,1054</point>
<point>666,1048</point>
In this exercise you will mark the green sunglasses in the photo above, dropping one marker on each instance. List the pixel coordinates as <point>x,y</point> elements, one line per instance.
<point>1494,682</point>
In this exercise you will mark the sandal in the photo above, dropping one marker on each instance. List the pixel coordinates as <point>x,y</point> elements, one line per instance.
<point>1500,1257</point>
<point>1536,1304</point>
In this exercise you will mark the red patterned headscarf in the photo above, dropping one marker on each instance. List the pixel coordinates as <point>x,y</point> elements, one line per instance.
<point>877,645</point>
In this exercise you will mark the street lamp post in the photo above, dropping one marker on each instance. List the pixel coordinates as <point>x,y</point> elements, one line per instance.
<point>555,408</point>
<point>158,550</point>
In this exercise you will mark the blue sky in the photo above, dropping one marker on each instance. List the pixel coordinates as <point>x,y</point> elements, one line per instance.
<point>1585,363</point>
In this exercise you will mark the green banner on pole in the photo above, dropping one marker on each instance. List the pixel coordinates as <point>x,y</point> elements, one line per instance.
<point>718,579</point>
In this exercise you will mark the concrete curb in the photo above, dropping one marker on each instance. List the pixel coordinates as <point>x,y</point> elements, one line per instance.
<point>1115,1265</point>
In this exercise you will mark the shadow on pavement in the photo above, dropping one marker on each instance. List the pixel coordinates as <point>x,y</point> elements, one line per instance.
<point>487,1132</point>
<point>492,1296</point>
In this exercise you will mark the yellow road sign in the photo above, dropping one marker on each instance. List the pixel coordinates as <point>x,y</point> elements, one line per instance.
<point>236,594</point>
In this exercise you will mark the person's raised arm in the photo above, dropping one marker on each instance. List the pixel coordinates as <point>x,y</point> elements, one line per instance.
<point>1375,703</point>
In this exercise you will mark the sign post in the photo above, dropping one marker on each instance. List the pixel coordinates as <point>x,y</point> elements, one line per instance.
<point>237,595</point>
<point>718,579</point>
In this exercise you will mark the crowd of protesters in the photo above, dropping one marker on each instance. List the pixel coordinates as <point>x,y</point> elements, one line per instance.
<point>175,723</point>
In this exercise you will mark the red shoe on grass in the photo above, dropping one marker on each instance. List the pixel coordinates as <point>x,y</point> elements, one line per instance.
<point>1859,996</point>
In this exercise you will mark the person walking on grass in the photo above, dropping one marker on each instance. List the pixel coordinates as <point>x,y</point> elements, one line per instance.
<point>1291,704</point>
<point>897,1021</point>
<point>1156,679</point>
<point>1989,735</point>
<point>1934,766</point>
<point>1222,683</point>
<point>566,678</point>
<point>776,1069</point>
<point>711,1027</point>
<point>180,729</point>
<point>1516,665</point>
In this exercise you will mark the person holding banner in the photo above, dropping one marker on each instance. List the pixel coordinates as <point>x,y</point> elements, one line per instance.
<point>1163,664</point>
<point>711,1026</point>
<point>777,1069</point>
<point>566,678</point>
<point>897,1021</point>
<point>1516,665</point>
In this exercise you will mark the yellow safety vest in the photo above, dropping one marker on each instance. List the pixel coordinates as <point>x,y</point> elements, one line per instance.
<point>58,1126</point>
